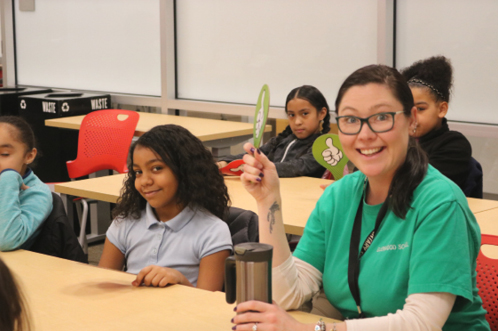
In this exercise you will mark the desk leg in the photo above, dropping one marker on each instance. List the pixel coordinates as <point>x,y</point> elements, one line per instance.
<point>221,147</point>
<point>69,206</point>
<point>220,152</point>
<point>100,219</point>
<point>100,214</point>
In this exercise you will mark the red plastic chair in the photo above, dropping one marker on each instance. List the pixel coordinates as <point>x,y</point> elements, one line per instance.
<point>487,281</point>
<point>104,140</point>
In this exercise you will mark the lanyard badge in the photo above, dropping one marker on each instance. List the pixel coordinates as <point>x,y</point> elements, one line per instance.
<point>354,255</point>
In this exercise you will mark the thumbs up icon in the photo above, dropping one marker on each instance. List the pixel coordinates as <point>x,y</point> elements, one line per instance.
<point>332,155</point>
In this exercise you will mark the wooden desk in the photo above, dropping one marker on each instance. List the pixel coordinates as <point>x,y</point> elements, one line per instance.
<point>480,205</point>
<point>488,222</point>
<point>219,135</point>
<point>65,295</point>
<point>299,196</point>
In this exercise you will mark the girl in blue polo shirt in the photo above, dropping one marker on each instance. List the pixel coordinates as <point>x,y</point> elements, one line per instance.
<point>168,227</point>
<point>25,201</point>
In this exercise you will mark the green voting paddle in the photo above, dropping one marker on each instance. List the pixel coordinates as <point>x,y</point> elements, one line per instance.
<point>261,115</point>
<point>327,150</point>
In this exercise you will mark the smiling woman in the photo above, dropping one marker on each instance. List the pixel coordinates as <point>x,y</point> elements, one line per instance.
<point>402,249</point>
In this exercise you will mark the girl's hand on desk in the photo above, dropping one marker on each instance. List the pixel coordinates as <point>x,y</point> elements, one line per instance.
<point>267,317</point>
<point>154,275</point>
<point>260,176</point>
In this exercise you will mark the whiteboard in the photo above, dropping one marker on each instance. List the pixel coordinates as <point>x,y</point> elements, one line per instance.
<point>227,50</point>
<point>110,45</point>
<point>464,31</point>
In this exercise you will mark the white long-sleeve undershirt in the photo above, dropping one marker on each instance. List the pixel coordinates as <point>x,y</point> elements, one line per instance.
<point>296,281</point>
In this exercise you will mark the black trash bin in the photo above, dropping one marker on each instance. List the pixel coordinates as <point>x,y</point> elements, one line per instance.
<point>56,146</point>
<point>9,98</point>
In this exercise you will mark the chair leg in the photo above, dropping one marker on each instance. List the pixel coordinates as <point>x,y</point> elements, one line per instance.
<point>83,221</point>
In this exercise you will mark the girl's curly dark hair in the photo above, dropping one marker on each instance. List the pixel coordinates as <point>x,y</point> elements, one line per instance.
<point>200,184</point>
<point>435,71</point>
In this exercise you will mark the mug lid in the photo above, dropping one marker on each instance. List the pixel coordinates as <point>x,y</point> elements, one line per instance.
<point>253,252</point>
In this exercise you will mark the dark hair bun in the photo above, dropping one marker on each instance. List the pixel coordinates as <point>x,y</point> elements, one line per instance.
<point>436,71</point>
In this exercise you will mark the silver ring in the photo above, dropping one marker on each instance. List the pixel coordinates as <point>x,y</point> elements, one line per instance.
<point>255,327</point>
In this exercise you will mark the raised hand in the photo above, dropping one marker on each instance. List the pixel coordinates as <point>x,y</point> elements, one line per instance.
<point>260,176</point>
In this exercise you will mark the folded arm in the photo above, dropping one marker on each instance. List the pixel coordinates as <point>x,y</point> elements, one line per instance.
<point>20,218</point>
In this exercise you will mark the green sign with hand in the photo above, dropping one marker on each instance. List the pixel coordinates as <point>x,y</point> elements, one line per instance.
<point>327,150</point>
<point>261,115</point>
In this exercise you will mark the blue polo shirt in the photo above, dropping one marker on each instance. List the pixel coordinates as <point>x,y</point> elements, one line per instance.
<point>179,243</point>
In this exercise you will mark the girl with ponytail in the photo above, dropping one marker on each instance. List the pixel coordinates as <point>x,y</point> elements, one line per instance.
<point>308,114</point>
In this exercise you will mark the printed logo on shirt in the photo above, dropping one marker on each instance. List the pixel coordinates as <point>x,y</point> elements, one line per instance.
<point>392,247</point>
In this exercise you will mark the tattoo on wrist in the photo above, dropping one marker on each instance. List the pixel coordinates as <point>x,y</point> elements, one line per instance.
<point>271,215</point>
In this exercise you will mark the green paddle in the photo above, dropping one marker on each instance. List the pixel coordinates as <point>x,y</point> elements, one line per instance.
<point>261,115</point>
<point>327,150</point>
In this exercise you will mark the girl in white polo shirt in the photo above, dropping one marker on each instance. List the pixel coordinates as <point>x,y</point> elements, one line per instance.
<point>168,227</point>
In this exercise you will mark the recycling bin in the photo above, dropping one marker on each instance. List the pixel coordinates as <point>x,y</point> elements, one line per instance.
<point>9,96</point>
<point>55,145</point>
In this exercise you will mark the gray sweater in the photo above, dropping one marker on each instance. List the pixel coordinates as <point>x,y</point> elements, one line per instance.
<point>293,157</point>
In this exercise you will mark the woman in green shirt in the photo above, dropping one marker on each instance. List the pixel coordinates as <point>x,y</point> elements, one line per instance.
<point>394,245</point>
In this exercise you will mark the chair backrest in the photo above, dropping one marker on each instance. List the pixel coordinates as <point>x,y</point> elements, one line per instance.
<point>487,277</point>
<point>104,140</point>
<point>243,225</point>
<point>473,184</point>
<point>57,237</point>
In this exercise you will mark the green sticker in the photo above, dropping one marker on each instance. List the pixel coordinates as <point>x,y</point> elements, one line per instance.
<point>261,115</point>
<point>327,150</point>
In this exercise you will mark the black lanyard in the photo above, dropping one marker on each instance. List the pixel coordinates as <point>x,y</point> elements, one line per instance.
<point>354,257</point>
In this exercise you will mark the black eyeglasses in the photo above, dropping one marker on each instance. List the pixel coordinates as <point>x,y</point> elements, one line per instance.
<point>380,122</point>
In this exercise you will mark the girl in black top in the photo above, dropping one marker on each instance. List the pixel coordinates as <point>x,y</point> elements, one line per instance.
<point>449,151</point>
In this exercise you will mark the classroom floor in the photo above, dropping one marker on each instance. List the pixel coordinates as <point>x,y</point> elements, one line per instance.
<point>94,252</point>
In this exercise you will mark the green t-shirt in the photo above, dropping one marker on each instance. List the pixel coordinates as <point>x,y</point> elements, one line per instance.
<point>434,249</point>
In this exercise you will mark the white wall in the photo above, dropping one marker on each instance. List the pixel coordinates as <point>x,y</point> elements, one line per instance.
<point>1,27</point>
<point>110,45</point>
<point>227,50</point>
<point>464,31</point>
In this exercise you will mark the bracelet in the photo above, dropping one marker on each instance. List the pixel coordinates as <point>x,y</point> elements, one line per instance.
<point>320,325</point>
